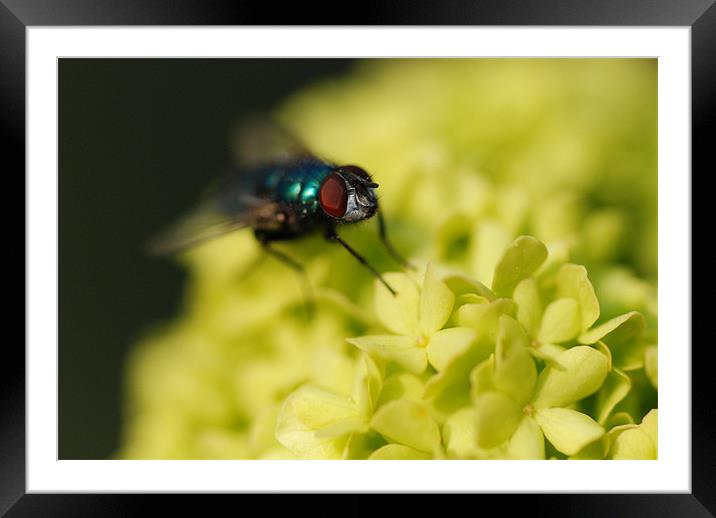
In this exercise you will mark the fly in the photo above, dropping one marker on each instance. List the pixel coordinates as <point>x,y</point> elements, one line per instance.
<point>282,191</point>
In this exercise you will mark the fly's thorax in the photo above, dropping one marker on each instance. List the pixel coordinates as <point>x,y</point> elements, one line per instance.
<point>298,182</point>
<point>348,195</point>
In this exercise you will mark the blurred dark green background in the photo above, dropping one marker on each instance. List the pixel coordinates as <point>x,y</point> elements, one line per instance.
<point>139,139</point>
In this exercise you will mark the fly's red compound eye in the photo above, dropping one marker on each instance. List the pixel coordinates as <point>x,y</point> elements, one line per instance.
<point>333,196</point>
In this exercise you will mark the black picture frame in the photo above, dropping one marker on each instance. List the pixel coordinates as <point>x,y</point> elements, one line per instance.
<point>17,15</point>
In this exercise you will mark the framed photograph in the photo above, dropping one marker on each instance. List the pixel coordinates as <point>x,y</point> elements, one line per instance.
<point>261,258</point>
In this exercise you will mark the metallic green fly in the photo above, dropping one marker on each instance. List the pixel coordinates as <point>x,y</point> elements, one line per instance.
<point>282,191</point>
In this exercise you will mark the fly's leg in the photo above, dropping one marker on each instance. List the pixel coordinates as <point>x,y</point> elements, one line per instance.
<point>388,245</point>
<point>295,266</point>
<point>251,268</point>
<point>332,236</point>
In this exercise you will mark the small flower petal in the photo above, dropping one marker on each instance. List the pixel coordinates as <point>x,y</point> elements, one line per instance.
<point>529,305</point>
<point>596,450</point>
<point>461,284</point>
<point>573,282</point>
<point>618,419</point>
<point>581,371</point>
<point>342,428</point>
<point>490,238</point>
<point>650,425</point>
<point>651,365</point>
<point>398,313</point>
<point>549,353</point>
<point>482,377</point>
<point>633,442</point>
<point>527,443</point>
<point>408,423</point>
<point>307,410</point>
<point>367,385</point>
<point>515,371</point>
<point>460,435</point>
<point>318,408</point>
<point>622,335</point>
<point>568,430</point>
<point>448,343</point>
<point>617,331</point>
<point>606,351</point>
<point>436,302</point>
<point>402,385</point>
<point>449,389</point>
<point>484,318</point>
<point>471,298</point>
<point>398,452</point>
<point>615,388</point>
<point>520,260</point>
<point>497,417</point>
<point>561,321</point>
<point>400,349</point>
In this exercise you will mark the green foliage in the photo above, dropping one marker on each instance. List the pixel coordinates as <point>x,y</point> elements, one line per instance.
<point>536,178</point>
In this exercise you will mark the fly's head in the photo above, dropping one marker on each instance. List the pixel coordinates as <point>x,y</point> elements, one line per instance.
<point>348,194</point>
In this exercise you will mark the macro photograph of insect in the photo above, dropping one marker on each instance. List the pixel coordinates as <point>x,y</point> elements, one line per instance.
<point>370,259</point>
<point>282,192</point>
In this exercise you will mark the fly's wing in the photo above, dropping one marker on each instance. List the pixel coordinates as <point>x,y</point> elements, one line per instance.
<point>260,141</point>
<point>204,223</point>
<point>214,218</point>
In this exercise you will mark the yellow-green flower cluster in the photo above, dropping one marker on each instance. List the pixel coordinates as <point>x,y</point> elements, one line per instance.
<point>472,158</point>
